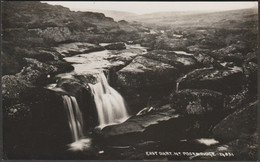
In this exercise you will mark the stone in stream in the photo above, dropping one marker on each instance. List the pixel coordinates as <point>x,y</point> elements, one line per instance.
<point>227,81</point>
<point>115,46</point>
<point>240,123</point>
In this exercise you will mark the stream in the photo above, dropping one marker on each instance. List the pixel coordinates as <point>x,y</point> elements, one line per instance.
<point>111,109</point>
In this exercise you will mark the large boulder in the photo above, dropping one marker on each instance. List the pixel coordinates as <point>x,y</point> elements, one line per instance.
<point>197,101</point>
<point>143,71</point>
<point>182,62</point>
<point>228,81</point>
<point>240,123</point>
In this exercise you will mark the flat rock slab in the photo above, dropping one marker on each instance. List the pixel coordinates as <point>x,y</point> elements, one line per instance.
<point>140,123</point>
<point>70,49</point>
<point>181,61</point>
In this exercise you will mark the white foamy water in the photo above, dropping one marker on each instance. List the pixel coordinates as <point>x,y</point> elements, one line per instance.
<point>80,145</point>
<point>109,103</point>
<point>183,53</point>
<point>207,141</point>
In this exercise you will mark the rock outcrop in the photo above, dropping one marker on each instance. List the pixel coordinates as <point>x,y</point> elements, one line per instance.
<point>228,81</point>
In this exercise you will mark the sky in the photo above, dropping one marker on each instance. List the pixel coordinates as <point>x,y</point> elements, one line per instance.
<point>153,6</point>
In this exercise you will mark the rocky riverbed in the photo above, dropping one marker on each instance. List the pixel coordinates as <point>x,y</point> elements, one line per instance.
<point>194,93</point>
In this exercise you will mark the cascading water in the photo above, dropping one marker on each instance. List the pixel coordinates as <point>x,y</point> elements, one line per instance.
<point>74,116</point>
<point>75,123</point>
<point>109,103</point>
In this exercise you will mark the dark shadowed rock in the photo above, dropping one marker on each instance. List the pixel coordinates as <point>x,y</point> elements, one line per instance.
<point>12,86</point>
<point>116,46</point>
<point>35,121</point>
<point>242,122</point>
<point>228,81</point>
<point>18,112</point>
<point>143,71</point>
<point>62,66</point>
<point>197,102</point>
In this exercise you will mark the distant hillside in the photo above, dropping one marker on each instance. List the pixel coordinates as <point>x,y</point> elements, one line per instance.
<point>46,23</point>
<point>116,15</point>
<point>201,19</point>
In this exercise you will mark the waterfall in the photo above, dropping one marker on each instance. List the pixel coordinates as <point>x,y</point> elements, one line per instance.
<point>109,103</point>
<point>74,117</point>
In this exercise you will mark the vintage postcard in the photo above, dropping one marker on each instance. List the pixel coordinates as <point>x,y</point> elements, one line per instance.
<point>110,80</point>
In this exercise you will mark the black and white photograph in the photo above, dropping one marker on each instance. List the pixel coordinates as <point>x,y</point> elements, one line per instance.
<point>129,80</point>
